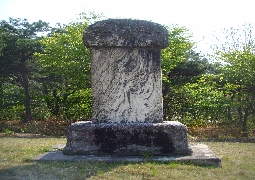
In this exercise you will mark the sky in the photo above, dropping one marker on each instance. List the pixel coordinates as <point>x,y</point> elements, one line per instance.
<point>203,18</point>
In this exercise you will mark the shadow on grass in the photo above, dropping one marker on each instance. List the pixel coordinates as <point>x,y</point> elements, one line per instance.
<point>78,169</point>
<point>57,170</point>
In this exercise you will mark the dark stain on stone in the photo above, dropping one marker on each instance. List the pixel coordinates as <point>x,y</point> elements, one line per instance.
<point>163,140</point>
<point>109,139</point>
<point>130,64</point>
<point>128,96</point>
<point>154,55</point>
<point>105,138</point>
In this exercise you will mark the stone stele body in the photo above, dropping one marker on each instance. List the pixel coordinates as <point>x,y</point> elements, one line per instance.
<point>126,70</point>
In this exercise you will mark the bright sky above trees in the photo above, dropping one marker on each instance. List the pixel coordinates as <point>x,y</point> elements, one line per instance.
<point>201,17</point>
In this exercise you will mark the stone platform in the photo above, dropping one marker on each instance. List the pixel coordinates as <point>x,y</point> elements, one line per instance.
<point>201,155</point>
<point>127,139</point>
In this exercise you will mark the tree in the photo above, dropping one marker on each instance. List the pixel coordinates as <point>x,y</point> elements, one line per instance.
<point>65,74</point>
<point>179,44</point>
<point>185,79</point>
<point>19,42</point>
<point>238,56</point>
<point>205,101</point>
<point>171,56</point>
<point>192,66</point>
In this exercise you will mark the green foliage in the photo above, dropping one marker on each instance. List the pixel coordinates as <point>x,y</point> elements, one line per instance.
<point>206,103</point>
<point>15,112</point>
<point>19,41</point>
<point>65,72</point>
<point>7,131</point>
<point>147,155</point>
<point>65,54</point>
<point>48,77</point>
<point>238,74</point>
<point>198,93</point>
<point>53,80</point>
<point>171,56</point>
<point>179,44</point>
<point>179,92</point>
<point>80,104</point>
<point>12,107</point>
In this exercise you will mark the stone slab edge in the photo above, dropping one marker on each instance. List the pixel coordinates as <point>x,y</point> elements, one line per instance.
<point>201,155</point>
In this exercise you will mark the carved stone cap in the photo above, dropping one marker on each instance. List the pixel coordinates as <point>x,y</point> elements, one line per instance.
<point>126,33</point>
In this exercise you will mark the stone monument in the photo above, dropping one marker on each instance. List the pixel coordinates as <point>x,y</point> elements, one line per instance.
<point>127,116</point>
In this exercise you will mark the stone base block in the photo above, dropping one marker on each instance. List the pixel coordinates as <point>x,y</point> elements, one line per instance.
<point>128,139</point>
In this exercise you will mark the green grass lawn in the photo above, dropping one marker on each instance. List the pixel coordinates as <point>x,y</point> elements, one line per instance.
<point>238,162</point>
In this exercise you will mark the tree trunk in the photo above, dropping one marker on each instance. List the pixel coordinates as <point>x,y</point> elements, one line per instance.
<point>240,114</point>
<point>46,94</point>
<point>230,118</point>
<point>245,119</point>
<point>28,116</point>
<point>229,114</point>
<point>1,95</point>
<point>56,109</point>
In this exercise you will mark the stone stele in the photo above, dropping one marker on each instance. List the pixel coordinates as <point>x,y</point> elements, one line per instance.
<point>127,117</point>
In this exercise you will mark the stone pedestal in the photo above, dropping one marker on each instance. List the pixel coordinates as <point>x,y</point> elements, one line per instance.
<point>127,116</point>
<point>165,138</point>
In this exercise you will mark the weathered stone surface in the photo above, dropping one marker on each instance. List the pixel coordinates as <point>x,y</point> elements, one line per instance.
<point>126,85</point>
<point>165,138</point>
<point>125,33</point>
<point>126,70</point>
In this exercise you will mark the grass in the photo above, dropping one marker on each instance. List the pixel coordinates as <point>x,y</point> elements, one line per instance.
<point>238,160</point>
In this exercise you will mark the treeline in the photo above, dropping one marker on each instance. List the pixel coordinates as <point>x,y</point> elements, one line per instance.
<point>45,72</point>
